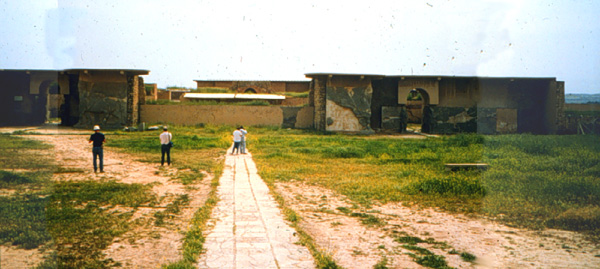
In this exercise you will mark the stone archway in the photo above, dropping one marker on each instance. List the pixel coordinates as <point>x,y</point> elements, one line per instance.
<point>250,90</point>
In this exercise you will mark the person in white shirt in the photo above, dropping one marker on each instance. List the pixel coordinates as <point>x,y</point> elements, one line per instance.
<point>237,140</point>
<point>243,143</point>
<point>165,146</point>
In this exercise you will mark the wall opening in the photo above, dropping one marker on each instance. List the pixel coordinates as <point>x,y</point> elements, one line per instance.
<point>48,102</point>
<point>250,90</point>
<point>418,110</point>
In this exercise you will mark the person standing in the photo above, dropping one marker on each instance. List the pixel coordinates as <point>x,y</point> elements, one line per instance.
<point>237,140</point>
<point>98,140</point>
<point>165,146</point>
<point>243,143</point>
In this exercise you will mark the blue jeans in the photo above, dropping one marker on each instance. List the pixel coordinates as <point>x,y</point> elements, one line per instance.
<point>236,145</point>
<point>165,149</point>
<point>98,153</point>
<point>243,146</point>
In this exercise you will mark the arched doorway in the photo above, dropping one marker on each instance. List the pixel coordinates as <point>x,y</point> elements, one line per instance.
<point>418,110</point>
<point>250,90</point>
<point>42,102</point>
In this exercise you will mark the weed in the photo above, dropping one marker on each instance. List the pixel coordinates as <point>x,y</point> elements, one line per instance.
<point>368,219</point>
<point>468,257</point>
<point>411,240</point>
<point>344,210</point>
<point>382,264</point>
<point>432,261</point>
<point>336,223</point>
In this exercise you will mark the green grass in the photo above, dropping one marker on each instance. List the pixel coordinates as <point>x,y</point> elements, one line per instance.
<point>81,223</point>
<point>532,181</point>
<point>22,213</point>
<point>197,148</point>
<point>77,220</point>
<point>212,90</point>
<point>295,94</point>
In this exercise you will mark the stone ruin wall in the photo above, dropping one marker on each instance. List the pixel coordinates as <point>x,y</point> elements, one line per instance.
<point>108,99</point>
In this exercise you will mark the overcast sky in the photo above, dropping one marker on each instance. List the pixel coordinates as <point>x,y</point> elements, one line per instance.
<point>180,41</point>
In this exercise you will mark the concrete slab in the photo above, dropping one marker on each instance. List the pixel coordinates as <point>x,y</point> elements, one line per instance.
<point>247,226</point>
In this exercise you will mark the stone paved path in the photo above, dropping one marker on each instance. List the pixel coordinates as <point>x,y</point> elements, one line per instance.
<point>248,230</point>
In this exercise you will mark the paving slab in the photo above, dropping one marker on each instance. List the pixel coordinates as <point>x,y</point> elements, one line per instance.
<point>247,228</point>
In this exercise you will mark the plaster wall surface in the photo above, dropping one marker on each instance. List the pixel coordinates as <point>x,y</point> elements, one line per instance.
<point>201,84</point>
<point>38,78</point>
<point>16,102</point>
<point>297,86</point>
<point>163,95</point>
<point>304,119</point>
<point>196,114</point>
<point>278,86</point>
<point>341,118</point>
<point>295,101</point>
<point>102,76</point>
<point>495,94</point>
<point>458,92</point>
<point>430,85</point>
<point>506,120</point>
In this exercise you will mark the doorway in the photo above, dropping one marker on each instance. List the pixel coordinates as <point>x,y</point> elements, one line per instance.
<point>419,113</point>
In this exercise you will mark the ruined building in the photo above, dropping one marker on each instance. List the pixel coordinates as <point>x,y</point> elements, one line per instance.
<point>366,103</point>
<point>361,103</point>
<point>79,97</point>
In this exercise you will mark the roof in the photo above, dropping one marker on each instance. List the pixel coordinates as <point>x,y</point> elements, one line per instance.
<point>310,75</point>
<point>475,77</point>
<point>245,96</point>
<point>419,76</point>
<point>134,71</point>
<point>250,80</point>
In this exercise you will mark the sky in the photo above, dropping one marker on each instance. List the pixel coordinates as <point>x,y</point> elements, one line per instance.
<point>180,41</point>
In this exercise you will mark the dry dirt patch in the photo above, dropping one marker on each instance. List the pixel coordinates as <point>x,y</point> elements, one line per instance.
<point>356,245</point>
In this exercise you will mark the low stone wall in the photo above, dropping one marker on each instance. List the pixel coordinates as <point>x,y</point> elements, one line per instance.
<point>582,107</point>
<point>228,115</point>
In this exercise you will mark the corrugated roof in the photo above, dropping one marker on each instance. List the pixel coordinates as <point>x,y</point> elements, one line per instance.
<point>246,96</point>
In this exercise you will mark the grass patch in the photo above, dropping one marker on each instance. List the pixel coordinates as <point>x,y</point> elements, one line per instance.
<point>468,257</point>
<point>425,257</point>
<point>22,214</point>
<point>81,223</point>
<point>211,90</point>
<point>533,181</point>
<point>368,219</point>
<point>295,94</point>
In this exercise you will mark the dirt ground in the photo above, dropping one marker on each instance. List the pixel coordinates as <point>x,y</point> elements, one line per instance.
<point>355,245</point>
<point>145,246</point>
<point>351,243</point>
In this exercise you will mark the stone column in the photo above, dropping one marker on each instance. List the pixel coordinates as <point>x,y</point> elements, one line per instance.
<point>320,102</point>
<point>561,121</point>
<point>132,100</point>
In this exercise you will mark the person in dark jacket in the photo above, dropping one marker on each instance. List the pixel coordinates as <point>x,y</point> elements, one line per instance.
<point>98,140</point>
